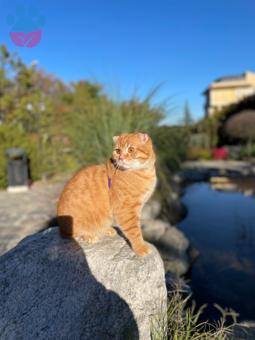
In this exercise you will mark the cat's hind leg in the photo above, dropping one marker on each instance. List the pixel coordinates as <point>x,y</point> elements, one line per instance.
<point>93,233</point>
<point>129,222</point>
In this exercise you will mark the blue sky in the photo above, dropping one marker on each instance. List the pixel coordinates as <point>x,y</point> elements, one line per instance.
<point>133,45</point>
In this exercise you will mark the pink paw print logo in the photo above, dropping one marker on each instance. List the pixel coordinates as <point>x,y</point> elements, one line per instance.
<point>26,27</point>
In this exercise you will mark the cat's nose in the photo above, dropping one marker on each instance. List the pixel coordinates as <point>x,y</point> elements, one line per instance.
<point>122,157</point>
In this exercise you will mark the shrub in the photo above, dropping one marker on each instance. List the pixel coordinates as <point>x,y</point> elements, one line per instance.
<point>234,151</point>
<point>224,116</point>
<point>247,151</point>
<point>241,126</point>
<point>199,153</point>
<point>91,132</point>
<point>220,153</point>
<point>210,126</point>
<point>171,146</point>
<point>199,140</point>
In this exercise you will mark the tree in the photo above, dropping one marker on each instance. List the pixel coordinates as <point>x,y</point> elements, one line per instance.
<point>210,126</point>
<point>241,128</point>
<point>26,106</point>
<point>187,117</point>
<point>227,113</point>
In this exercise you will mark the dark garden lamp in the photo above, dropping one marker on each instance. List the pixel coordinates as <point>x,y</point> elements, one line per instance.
<point>17,170</point>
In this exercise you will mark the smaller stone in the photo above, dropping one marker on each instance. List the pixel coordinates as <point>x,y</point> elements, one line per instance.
<point>153,229</point>
<point>243,331</point>
<point>151,210</point>
<point>176,178</point>
<point>176,211</point>
<point>175,239</point>
<point>177,265</point>
<point>173,247</point>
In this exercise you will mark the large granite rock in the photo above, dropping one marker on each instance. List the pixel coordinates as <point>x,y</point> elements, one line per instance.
<point>55,288</point>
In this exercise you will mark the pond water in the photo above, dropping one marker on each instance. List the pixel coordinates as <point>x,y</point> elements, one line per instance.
<point>221,225</point>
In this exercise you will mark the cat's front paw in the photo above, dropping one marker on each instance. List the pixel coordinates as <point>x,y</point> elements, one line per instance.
<point>142,250</point>
<point>111,232</point>
<point>89,239</point>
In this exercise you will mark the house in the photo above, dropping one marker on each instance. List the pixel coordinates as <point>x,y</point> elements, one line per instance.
<point>228,90</point>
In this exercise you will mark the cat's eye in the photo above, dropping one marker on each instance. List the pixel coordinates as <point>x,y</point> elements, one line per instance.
<point>131,149</point>
<point>117,151</point>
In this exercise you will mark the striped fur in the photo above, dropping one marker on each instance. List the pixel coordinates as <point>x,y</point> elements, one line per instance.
<point>88,207</point>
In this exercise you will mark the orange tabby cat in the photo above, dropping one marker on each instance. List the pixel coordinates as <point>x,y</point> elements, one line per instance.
<point>116,191</point>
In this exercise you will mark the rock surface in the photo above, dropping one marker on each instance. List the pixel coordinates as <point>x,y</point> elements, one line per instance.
<point>151,210</point>
<point>154,229</point>
<point>55,288</point>
<point>173,247</point>
<point>171,243</point>
<point>243,331</point>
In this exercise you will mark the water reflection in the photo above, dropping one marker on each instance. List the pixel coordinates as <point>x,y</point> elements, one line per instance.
<point>246,186</point>
<point>222,226</point>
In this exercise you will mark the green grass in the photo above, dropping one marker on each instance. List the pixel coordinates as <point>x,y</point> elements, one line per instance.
<point>182,321</point>
<point>91,131</point>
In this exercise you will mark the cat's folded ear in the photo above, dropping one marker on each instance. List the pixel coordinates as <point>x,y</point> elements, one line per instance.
<point>115,139</point>
<point>144,137</point>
